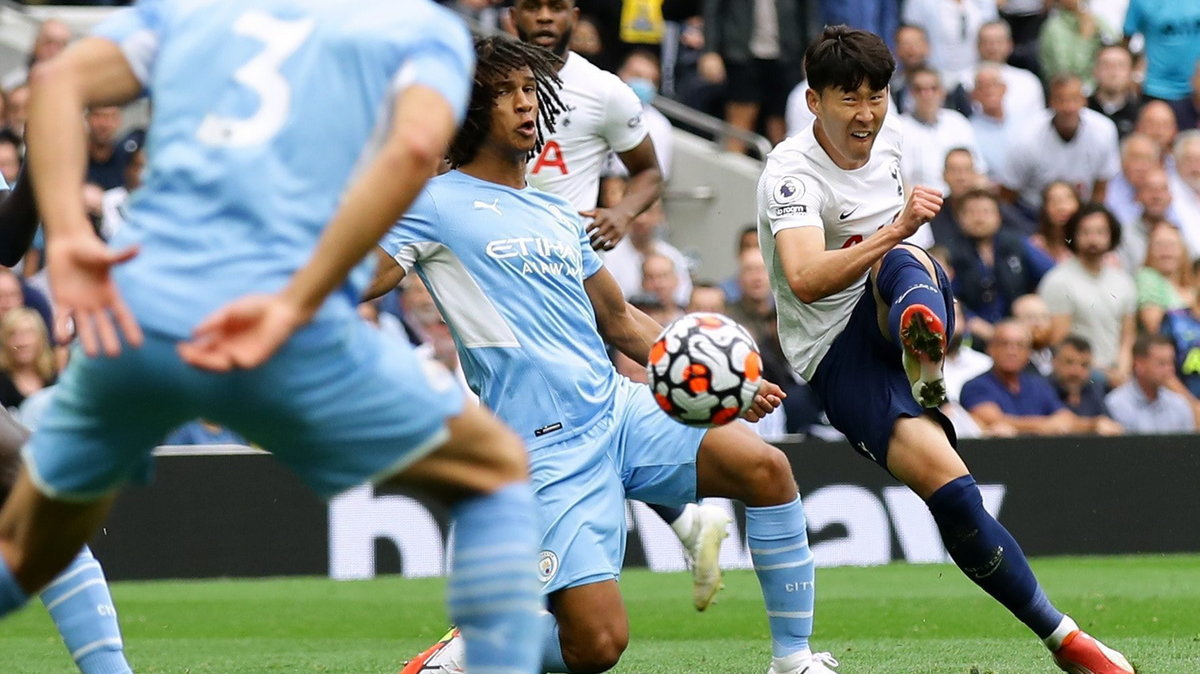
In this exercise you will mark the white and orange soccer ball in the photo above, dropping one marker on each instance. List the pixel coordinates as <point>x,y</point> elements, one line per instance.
<point>704,370</point>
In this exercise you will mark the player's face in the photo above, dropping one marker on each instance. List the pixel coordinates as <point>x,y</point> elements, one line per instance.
<point>848,122</point>
<point>546,23</point>
<point>514,115</point>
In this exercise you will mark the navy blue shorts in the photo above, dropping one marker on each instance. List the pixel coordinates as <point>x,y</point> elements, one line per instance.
<point>861,381</point>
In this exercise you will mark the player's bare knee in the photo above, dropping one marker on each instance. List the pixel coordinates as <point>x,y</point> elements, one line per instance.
<point>770,479</point>
<point>598,651</point>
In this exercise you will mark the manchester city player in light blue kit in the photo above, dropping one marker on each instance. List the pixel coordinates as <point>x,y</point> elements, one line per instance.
<point>530,306</point>
<point>287,136</point>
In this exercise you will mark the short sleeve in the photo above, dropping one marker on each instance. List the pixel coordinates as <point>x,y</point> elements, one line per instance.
<point>591,261</point>
<point>1133,18</point>
<point>445,63</point>
<point>787,201</point>
<point>407,239</point>
<point>974,393</point>
<point>1050,402</point>
<point>624,125</point>
<point>137,31</point>
<point>1054,290</point>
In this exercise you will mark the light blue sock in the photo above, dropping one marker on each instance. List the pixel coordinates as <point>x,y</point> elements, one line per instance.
<point>494,596</point>
<point>552,657</point>
<point>784,564</point>
<point>12,597</point>
<point>79,602</point>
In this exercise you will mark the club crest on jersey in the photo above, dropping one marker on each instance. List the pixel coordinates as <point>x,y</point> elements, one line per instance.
<point>895,170</point>
<point>789,189</point>
<point>547,566</point>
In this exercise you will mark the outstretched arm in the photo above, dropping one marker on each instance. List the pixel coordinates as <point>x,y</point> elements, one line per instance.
<point>610,225</point>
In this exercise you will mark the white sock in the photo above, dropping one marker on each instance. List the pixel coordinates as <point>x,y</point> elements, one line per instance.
<point>683,524</point>
<point>792,662</point>
<point>1054,641</point>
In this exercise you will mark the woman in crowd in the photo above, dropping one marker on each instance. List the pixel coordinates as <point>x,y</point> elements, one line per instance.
<point>1164,282</point>
<point>1059,203</point>
<point>27,362</point>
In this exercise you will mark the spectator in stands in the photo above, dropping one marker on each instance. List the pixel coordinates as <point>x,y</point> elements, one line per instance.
<point>107,158</point>
<point>1145,404</point>
<point>960,177</point>
<point>1025,18</point>
<point>755,309</point>
<point>17,110</point>
<point>1164,282</point>
<point>953,29</point>
<point>930,131</point>
<point>992,267</point>
<point>1116,95</point>
<point>881,17</point>
<point>16,293</point>
<point>912,52</point>
<point>1010,399</point>
<point>1154,199</point>
<point>1182,327</point>
<point>1171,47</point>
<point>1156,119</point>
<point>1074,144</point>
<point>660,279</point>
<point>1071,38</point>
<point>994,125</point>
<point>747,240</point>
<point>625,261</point>
<point>1024,93</point>
<point>641,71</point>
<point>1091,298</point>
<point>1188,115</point>
<point>707,297</point>
<point>1073,380</point>
<point>1139,156</point>
<point>963,363</point>
<point>10,156</point>
<point>1185,184</point>
<point>755,49</point>
<point>112,206</point>
<point>586,41</point>
<point>53,36</point>
<point>27,362</point>
<point>1059,203</point>
<point>1031,311</point>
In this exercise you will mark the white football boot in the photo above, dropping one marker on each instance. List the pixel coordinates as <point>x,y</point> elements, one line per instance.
<point>702,546</point>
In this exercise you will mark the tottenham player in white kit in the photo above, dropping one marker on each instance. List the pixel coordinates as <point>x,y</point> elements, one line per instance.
<point>603,115</point>
<point>865,318</point>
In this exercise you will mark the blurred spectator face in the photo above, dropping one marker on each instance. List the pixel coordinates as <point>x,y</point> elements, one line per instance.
<point>53,37</point>
<point>995,43</point>
<point>11,295</point>
<point>646,224</point>
<point>1060,204</point>
<point>752,276</point>
<point>748,240</point>
<point>1072,367</point>
<point>103,123</point>
<point>1114,70</point>
<point>641,74</point>
<point>1156,368</point>
<point>989,91</point>
<point>1165,251</point>
<point>1093,238</point>
<point>24,336</point>
<point>1009,348</point>
<point>417,304</point>
<point>10,162</point>
<point>960,175</point>
<point>1139,156</point>
<point>928,96</point>
<point>1157,120</point>
<point>585,38</point>
<point>1187,163</point>
<point>979,218</point>
<point>1154,195</point>
<point>1067,100</point>
<point>912,49</point>
<point>18,109</point>
<point>1032,312</point>
<point>546,23</point>
<point>659,279</point>
<point>709,299</point>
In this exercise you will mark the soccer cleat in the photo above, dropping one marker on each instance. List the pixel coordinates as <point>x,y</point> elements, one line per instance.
<point>447,656</point>
<point>1081,653</point>
<point>702,545</point>
<point>821,663</point>
<point>923,338</point>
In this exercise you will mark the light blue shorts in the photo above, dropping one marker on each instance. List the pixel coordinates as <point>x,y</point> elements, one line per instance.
<point>580,485</point>
<point>339,403</point>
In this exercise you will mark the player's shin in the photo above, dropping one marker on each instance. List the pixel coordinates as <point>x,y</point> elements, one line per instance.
<point>494,596</point>
<point>783,562</point>
<point>79,602</point>
<point>903,282</point>
<point>990,556</point>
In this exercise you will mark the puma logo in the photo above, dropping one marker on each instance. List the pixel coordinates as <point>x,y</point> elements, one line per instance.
<point>494,206</point>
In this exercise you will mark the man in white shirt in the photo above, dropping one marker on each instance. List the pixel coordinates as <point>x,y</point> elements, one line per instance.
<point>1073,144</point>
<point>952,27</point>
<point>930,131</point>
<point>1025,95</point>
<point>993,123</point>
<point>1185,185</point>
<point>1144,404</point>
<point>625,261</point>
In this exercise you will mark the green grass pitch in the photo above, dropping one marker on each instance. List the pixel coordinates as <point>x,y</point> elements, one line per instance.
<point>893,619</point>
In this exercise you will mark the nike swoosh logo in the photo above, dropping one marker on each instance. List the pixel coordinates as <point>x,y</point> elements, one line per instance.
<point>846,214</point>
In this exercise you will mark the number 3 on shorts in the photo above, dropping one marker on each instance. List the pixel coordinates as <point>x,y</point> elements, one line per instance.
<point>261,74</point>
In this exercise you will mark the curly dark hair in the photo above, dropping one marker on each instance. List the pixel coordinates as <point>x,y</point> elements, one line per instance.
<point>496,57</point>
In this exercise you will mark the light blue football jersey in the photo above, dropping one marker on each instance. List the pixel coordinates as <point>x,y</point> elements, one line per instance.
<point>506,267</point>
<point>262,110</point>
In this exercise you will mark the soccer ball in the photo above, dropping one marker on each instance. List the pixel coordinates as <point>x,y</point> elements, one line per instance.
<point>704,370</point>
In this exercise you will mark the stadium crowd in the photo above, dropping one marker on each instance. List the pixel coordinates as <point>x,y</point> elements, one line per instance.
<point>1065,135</point>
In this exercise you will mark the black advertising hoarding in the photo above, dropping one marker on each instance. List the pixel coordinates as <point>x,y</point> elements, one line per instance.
<point>244,515</point>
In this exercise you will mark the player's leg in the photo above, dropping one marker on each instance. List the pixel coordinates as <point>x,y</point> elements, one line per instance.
<point>78,600</point>
<point>700,529</point>
<point>589,626</point>
<point>914,314</point>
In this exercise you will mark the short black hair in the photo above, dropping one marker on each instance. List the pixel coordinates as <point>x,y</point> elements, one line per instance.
<point>845,58</point>
<point>1089,209</point>
<point>978,193</point>
<point>1143,344</point>
<point>496,57</point>
<point>1076,342</point>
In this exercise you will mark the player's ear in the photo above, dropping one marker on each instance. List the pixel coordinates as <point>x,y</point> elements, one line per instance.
<point>811,97</point>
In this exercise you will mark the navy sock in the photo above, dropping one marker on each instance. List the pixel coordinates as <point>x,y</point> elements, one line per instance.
<point>667,513</point>
<point>989,555</point>
<point>902,282</point>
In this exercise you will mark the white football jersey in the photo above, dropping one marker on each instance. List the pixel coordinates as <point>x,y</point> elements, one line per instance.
<point>802,187</point>
<point>602,114</point>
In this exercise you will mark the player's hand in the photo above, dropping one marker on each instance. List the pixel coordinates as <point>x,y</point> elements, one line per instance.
<point>923,204</point>
<point>607,228</point>
<point>711,68</point>
<point>767,400</point>
<point>79,267</point>
<point>242,334</point>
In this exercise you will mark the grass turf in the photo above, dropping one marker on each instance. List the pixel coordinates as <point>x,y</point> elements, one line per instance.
<point>893,619</point>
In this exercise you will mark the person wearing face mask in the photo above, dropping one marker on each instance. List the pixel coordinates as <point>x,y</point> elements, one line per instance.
<point>641,72</point>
